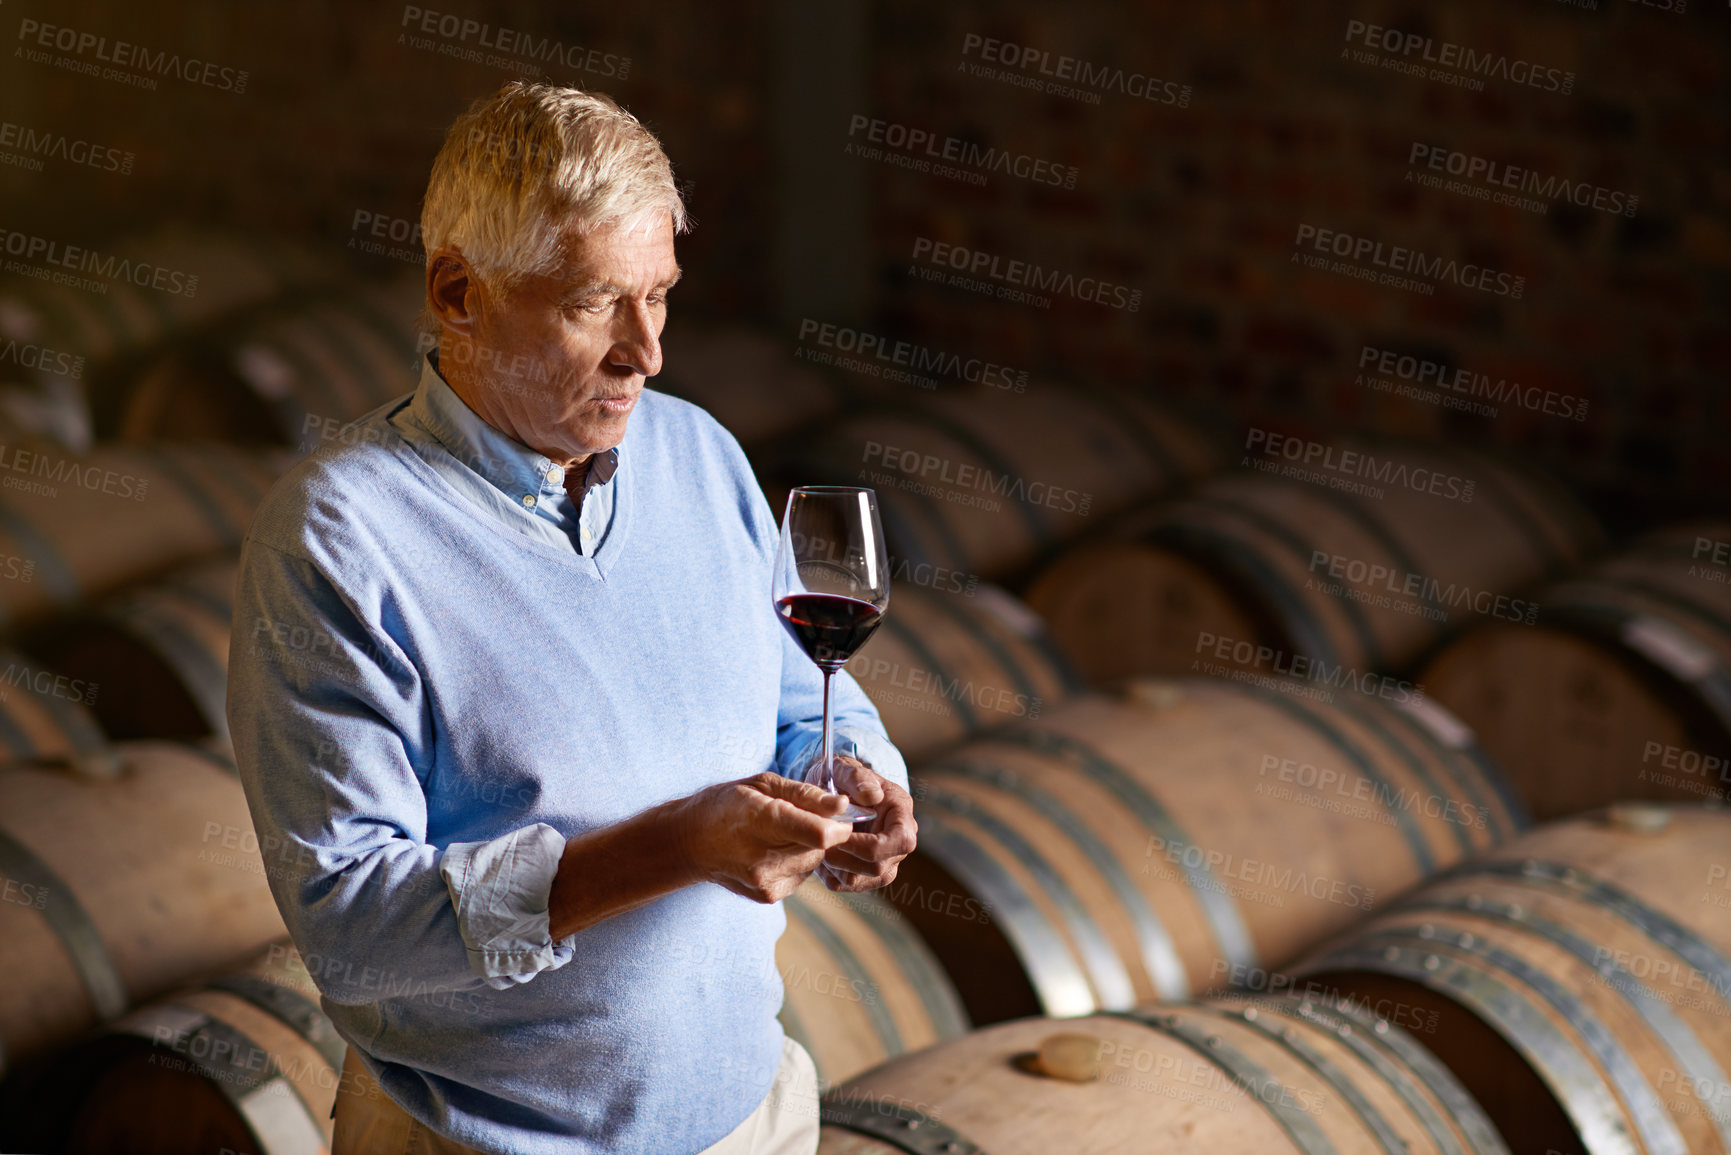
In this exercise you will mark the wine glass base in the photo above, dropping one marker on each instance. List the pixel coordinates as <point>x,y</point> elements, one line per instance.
<point>855,814</point>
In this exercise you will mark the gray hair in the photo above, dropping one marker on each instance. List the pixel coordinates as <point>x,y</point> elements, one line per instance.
<point>531,161</point>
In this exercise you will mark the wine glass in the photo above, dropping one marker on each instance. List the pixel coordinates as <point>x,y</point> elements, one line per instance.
<point>831,589</point>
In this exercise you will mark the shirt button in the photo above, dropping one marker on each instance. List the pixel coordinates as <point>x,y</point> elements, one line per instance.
<point>555,475</point>
<point>528,501</point>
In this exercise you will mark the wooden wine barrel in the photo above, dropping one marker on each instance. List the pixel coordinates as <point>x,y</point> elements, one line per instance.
<point>954,658</point>
<point>860,986</point>
<point>244,1062</point>
<point>747,380</point>
<point>1365,582</point>
<point>84,525</point>
<point>159,653</point>
<point>1215,1077</point>
<point>1581,979</point>
<point>205,272</point>
<point>119,889</point>
<point>982,481</point>
<point>291,373</point>
<point>1623,687</point>
<point>44,713</point>
<point>1184,837</point>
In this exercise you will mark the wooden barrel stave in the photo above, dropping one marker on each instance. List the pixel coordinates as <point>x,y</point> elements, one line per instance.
<point>1556,945</point>
<point>1062,829</point>
<point>330,356</point>
<point>860,986</point>
<point>115,925</point>
<point>1097,451</point>
<point>244,1062</point>
<point>1621,690</point>
<point>1276,1075</point>
<point>160,651</point>
<point>196,500</point>
<point>979,658</point>
<point>41,717</point>
<point>746,380</point>
<point>1248,556</point>
<point>234,271</point>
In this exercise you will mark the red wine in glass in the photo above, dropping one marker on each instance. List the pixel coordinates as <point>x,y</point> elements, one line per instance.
<point>831,589</point>
<point>828,627</point>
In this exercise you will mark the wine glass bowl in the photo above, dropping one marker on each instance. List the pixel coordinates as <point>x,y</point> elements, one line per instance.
<point>831,588</point>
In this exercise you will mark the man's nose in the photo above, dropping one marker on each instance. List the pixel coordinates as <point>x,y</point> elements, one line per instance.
<point>637,346</point>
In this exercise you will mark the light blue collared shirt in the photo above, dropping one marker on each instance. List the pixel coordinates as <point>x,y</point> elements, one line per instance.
<point>489,464</point>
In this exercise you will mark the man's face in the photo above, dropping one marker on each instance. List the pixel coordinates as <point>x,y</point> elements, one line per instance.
<point>569,350</point>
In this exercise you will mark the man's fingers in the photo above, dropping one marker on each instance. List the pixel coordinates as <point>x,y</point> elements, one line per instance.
<point>785,823</point>
<point>840,858</point>
<point>801,794</point>
<point>858,781</point>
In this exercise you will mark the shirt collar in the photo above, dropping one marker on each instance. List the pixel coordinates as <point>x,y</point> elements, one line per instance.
<point>503,461</point>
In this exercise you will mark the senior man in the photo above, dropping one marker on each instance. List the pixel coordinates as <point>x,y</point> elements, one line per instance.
<point>507,687</point>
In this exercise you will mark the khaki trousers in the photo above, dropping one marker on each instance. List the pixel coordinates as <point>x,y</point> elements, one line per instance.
<point>369,1122</point>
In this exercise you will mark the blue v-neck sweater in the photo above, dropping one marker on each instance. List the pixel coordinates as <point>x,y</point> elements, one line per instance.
<point>426,703</point>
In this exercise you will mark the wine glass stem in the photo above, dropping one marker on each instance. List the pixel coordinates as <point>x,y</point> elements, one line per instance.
<point>828,740</point>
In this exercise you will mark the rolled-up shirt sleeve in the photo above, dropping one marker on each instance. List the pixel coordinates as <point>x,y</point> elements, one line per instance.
<point>500,890</point>
<point>329,723</point>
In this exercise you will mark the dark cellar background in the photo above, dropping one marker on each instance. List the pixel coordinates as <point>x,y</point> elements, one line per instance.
<point>1196,206</point>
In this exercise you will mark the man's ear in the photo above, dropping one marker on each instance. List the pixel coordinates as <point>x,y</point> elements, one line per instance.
<point>453,291</point>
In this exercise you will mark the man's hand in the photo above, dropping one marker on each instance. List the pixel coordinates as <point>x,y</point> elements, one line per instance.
<point>760,836</point>
<point>868,858</point>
